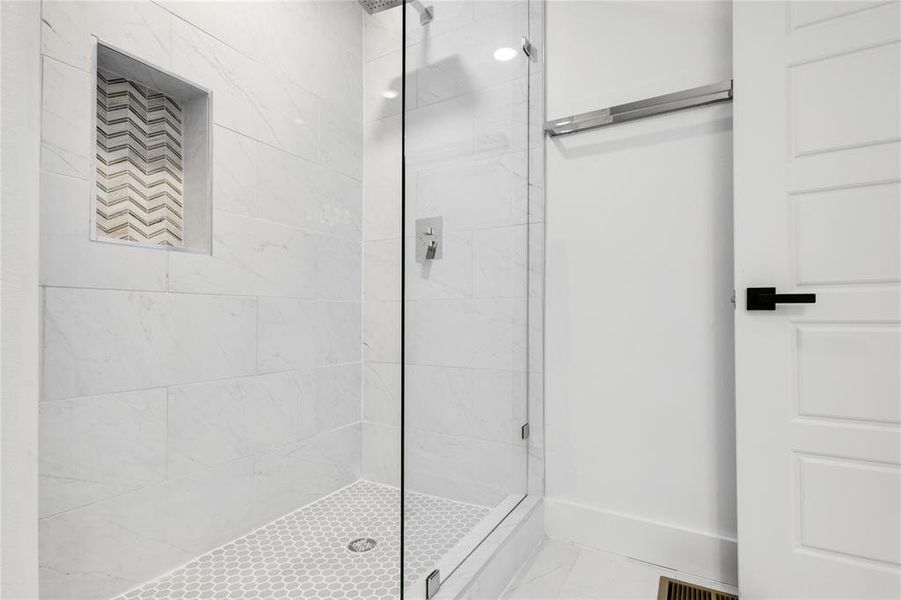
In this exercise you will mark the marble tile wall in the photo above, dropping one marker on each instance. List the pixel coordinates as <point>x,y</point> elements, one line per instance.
<point>468,314</point>
<point>188,398</point>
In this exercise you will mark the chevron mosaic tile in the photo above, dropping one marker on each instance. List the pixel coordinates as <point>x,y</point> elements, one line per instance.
<point>139,163</point>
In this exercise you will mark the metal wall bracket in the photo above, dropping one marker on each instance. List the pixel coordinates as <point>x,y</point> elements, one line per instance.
<point>525,431</point>
<point>432,584</point>
<point>528,49</point>
<point>426,16</point>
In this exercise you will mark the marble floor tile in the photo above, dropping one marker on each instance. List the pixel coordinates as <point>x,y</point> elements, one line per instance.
<point>563,571</point>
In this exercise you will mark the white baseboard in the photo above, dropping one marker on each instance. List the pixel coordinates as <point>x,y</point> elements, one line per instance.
<point>692,552</point>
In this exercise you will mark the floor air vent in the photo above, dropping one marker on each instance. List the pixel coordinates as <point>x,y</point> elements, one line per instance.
<point>673,589</point>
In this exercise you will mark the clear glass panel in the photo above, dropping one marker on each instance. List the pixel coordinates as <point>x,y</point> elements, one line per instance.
<point>465,300</point>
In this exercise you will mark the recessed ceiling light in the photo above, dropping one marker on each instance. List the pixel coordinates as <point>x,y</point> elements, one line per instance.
<point>389,94</point>
<point>504,54</point>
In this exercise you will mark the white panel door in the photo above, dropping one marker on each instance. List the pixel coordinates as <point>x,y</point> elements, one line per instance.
<point>818,210</point>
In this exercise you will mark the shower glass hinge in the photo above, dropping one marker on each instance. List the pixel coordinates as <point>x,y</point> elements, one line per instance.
<point>525,431</point>
<point>733,298</point>
<point>527,48</point>
<point>432,584</point>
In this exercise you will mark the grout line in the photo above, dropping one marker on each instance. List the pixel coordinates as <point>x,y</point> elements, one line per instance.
<point>204,381</point>
<point>208,294</point>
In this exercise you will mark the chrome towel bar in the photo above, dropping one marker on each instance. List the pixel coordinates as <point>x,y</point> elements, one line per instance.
<point>658,105</point>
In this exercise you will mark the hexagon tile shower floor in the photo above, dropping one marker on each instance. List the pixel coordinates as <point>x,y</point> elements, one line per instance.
<point>305,554</point>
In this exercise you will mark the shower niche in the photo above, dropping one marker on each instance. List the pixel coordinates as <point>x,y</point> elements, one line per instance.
<point>152,156</point>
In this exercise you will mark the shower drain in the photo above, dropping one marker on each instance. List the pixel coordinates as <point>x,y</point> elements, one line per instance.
<point>361,545</point>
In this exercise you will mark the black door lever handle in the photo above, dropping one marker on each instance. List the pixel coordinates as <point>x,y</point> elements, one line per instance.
<point>766,298</point>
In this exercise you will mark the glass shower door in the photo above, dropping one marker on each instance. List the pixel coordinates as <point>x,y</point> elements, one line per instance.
<point>465,279</point>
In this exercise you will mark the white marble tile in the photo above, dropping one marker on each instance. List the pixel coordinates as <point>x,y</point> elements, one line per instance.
<point>66,119</point>
<point>339,273</point>
<point>382,87</point>
<point>462,60</point>
<point>441,133</point>
<point>100,446</point>
<point>340,61</point>
<point>499,262</point>
<point>342,20</point>
<point>341,143</point>
<point>482,404</point>
<point>536,434</point>
<point>381,269</point>
<point>338,400</point>
<point>499,405</point>
<point>487,334</point>
<point>451,276</point>
<point>543,575</point>
<point>299,334</point>
<point>235,184</point>
<point>108,547</point>
<point>232,76</point>
<point>501,118</point>
<point>98,342</point>
<point>381,453</point>
<point>290,476</point>
<point>464,469</point>
<point>296,192</point>
<point>598,574</point>
<point>381,331</point>
<point>381,393</point>
<point>439,399</point>
<point>250,257</point>
<point>231,23</point>
<point>474,194</point>
<point>295,43</point>
<point>290,115</point>
<point>137,27</point>
<point>220,421</point>
<point>381,34</point>
<point>536,123</point>
<point>338,332</point>
<point>210,508</point>
<point>449,16</point>
<point>69,257</point>
<point>492,565</point>
<point>536,297</point>
<point>564,571</point>
<point>381,179</point>
<point>487,9</point>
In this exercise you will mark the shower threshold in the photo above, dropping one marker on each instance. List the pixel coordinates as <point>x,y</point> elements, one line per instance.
<point>345,545</point>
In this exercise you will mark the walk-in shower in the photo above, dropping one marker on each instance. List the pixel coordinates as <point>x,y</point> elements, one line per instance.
<point>294,404</point>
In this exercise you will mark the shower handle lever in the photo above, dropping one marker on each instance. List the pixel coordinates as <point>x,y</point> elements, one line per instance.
<point>766,298</point>
<point>431,244</point>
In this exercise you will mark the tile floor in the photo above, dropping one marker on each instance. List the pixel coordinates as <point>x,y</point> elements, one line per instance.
<point>305,554</point>
<point>563,571</point>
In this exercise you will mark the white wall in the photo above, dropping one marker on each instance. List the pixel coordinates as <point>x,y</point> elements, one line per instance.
<point>188,398</point>
<point>640,411</point>
<point>19,298</point>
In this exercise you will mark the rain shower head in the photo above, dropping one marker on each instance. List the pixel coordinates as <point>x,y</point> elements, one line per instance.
<point>376,6</point>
